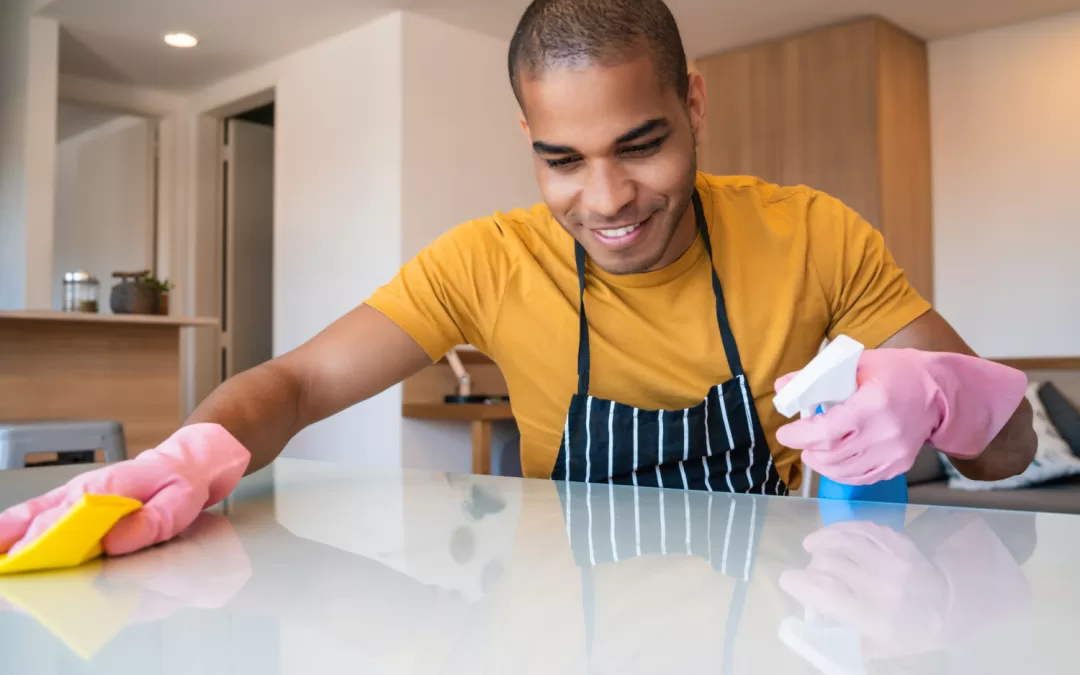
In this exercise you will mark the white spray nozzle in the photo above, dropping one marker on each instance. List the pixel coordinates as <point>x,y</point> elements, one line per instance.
<point>827,380</point>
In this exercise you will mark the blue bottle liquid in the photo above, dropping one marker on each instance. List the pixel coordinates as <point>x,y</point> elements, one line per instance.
<point>855,502</point>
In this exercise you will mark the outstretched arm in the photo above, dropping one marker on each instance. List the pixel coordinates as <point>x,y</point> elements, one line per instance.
<point>355,358</point>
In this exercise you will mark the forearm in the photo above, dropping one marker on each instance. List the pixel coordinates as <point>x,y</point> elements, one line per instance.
<point>1009,454</point>
<point>355,358</point>
<point>260,407</point>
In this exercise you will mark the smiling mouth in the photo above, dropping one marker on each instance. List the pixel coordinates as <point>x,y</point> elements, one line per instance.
<point>621,237</point>
<point>618,232</point>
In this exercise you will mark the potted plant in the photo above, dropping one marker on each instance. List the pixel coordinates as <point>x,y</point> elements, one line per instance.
<point>139,293</point>
<point>162,286</point>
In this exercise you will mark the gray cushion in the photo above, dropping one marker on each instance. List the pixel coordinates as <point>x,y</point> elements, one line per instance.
<point>927,468</point>
<point>1063,414</point>
<point>1054,460</point>
<point>1054,497</point>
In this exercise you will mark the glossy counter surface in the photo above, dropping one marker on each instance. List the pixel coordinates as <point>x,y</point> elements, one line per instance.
<point>324,568</point>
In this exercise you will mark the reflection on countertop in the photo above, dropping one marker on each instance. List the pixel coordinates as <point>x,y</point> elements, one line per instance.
<point>313,567</point>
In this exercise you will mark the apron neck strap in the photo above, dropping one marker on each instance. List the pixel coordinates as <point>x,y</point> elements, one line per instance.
<point>583,324</point>
<point>730,348</point>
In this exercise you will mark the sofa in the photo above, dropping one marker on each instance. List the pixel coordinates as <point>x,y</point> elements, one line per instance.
<point>928,482</point>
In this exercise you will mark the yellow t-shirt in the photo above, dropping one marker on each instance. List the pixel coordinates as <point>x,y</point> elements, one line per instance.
<point>796,266</point>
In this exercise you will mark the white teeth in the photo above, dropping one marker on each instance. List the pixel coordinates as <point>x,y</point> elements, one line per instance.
<point>620,232</point>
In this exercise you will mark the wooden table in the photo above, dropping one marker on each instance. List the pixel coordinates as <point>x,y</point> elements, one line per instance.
<point>482,416</point>
<point>72,365</point>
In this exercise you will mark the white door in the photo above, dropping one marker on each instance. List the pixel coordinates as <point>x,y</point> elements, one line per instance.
<point>248,248</point>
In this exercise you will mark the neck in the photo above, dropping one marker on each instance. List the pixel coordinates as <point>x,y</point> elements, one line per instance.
<point>681,240</point>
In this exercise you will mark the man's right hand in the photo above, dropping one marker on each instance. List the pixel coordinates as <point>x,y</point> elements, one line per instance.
<point>194,469</point>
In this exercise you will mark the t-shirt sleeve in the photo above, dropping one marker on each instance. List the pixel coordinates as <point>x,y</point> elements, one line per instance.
<point>450,293</point>
<point>870,298</point>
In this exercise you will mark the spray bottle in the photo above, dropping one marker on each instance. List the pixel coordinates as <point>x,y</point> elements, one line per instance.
<point>827,380</point>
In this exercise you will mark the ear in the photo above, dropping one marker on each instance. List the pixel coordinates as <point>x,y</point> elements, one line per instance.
<point>696,104</point>
<point>525,126</point>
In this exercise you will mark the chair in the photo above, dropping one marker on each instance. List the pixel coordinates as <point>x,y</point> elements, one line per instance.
<point>73,441</point>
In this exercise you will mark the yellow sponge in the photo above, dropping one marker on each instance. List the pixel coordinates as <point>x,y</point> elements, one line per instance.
<point>73,539</point>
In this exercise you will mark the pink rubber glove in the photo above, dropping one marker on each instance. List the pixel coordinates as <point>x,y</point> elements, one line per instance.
<point>906,398</point>
<point>195,468</point>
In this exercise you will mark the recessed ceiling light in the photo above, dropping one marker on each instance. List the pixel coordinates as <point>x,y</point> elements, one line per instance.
<point>182,40</point>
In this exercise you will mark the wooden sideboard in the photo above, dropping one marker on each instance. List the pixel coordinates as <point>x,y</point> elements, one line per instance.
<point>423,399</point>
<point>69,365</point>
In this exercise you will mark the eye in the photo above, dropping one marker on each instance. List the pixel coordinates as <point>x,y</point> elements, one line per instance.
<point>563,162</point>
<point>644,149</point>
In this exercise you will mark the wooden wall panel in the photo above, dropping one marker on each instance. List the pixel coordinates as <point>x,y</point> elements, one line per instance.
<point>830,117</point>
<point>798,111</point>
<point>745,121</point>
<point>84,370</point>
<point>843,109</point>
<point>904,140</point>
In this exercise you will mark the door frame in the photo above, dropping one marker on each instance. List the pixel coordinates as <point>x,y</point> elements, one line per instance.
<point>204,240</point>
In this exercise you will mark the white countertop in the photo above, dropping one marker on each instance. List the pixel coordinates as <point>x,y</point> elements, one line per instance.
<point>321,568</point>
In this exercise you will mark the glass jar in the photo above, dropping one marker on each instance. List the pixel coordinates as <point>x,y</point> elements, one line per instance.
<point>80,292</point>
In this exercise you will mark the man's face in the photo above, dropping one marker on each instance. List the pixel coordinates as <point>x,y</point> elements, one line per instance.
<point>614,150</point>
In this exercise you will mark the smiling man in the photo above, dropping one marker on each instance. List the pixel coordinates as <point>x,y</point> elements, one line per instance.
<point>642,314</point>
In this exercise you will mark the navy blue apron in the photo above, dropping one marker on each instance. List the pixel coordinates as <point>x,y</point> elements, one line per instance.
<point>717,445</point>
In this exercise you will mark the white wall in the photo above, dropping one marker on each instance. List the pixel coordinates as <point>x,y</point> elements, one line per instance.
<point>387,136</point>
<point>28,82</point>
<point>41,96</point>
<point>465,157</point>
<point>14,50</point>
<point>337,205</point>
<point>104,204</point>
<point>337,212</point>
<point>1005,112</point>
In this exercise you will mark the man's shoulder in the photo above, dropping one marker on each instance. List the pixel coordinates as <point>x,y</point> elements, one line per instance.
<point>755,190</point>
<point>526,227</point>
<point>781,208</point>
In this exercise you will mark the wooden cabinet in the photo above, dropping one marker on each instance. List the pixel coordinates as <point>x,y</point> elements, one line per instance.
<point>844,109</point>
<point>79,366</point>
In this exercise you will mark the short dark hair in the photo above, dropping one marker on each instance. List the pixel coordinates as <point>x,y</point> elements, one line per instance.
<point>560,33</point>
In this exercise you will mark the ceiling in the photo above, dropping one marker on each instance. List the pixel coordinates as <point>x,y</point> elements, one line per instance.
<point>121,39</point>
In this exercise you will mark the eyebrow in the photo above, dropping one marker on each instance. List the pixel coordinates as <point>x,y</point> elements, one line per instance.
<point>632,135</point>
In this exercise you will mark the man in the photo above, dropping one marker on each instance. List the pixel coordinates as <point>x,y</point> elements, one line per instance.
<point>640,315</point>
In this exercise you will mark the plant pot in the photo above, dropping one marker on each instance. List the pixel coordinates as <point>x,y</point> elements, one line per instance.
<point>134,297</point>
<point>163,302</point>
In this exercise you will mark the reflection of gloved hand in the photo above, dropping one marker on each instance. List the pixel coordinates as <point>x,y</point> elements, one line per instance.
<point>875,580</point>
<point>905,399</point>
<point>203,568</point>
<point>195,468</point>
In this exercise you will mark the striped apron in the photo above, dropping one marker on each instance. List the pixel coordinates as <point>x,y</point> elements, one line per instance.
<point>716,445</point>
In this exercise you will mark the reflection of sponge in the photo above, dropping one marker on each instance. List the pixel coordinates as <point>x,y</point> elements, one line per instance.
<point>71,606</point>
<point>73,539</point>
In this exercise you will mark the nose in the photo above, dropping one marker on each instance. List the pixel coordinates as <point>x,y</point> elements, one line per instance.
<point>607,191</point>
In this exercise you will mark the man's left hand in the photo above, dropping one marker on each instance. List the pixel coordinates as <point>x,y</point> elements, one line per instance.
<point>907,398</point>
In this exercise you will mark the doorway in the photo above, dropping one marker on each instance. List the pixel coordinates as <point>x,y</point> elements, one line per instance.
<point>247,239</point>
